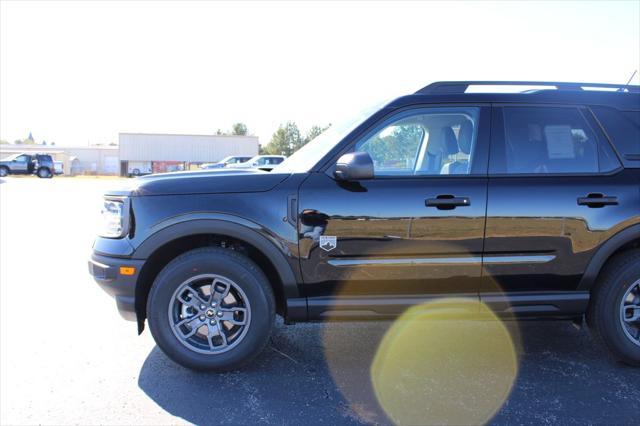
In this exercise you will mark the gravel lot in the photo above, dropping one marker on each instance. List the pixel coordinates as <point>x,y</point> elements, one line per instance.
<point>67,358</point>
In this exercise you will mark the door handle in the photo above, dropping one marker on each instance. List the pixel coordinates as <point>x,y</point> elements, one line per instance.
<point>597,200</point>
<point>447,202</point>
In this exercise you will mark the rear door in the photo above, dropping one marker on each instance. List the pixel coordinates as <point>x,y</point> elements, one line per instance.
<point>556,191</point>
<point>415,230</point>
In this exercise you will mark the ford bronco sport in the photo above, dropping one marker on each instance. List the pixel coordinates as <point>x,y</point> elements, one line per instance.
<point>528,202</point>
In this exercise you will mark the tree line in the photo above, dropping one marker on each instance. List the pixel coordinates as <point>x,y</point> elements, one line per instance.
<point>286,140</point>
<point>26,141</point>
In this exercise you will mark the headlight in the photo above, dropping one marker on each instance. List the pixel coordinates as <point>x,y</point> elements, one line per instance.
<point>115,218</point>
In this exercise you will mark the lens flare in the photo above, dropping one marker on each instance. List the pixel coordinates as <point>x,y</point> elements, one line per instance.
<point>431,368</point>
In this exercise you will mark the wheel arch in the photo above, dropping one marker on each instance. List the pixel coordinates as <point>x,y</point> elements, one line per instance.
<point>270,255</point>
<point>623,240</point>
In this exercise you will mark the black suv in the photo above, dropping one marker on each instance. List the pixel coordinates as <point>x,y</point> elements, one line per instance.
<point>23,164</point>
<point>528,202</point>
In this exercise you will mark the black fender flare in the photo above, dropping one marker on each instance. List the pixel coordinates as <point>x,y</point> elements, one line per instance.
<point>295,303</point>
<point>604,253</point>
<point>247,232</point>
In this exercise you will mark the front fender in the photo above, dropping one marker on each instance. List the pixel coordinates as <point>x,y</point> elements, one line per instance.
<point>276,250</point>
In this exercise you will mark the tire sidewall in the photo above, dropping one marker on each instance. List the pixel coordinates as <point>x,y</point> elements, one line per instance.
<point>245,275</point>
<point>612,328</point>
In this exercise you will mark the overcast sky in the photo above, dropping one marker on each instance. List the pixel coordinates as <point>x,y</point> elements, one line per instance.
<point>78,73</point>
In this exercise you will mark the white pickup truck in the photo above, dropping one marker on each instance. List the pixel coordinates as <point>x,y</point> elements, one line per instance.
<point>139,168</point>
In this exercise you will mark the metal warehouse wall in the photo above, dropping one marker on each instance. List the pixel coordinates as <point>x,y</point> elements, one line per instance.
<point>191,148</point>
<point>96,160</point>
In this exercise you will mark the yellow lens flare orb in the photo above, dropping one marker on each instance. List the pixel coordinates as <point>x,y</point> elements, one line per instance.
<point>432,368</point>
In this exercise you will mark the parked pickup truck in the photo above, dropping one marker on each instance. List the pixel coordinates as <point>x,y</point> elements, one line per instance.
<point>22,164</point>
<point>139,168</point>
<point>527,202</point>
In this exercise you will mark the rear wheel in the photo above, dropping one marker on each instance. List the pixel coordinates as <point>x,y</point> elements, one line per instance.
<point>614,311</point>
<point>3,171</point>
<point>211,309</point>
<point>43,173</point>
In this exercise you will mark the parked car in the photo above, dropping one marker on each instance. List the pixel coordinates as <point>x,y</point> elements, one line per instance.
<point>58,167</point>
<point>527,202</point>
<point>22,164</point>
<point>225,162</point>
<point>139,168</point>
<point>264,162</point>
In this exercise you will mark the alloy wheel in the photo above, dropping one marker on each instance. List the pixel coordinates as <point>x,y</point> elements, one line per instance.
<point>630,312</point>
<point>209,314</point>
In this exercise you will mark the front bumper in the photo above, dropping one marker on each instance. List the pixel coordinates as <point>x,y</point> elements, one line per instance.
<point>106,272</point>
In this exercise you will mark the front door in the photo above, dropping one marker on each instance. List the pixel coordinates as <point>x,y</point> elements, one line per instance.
<point>21,164</point>
<point>415,231</point>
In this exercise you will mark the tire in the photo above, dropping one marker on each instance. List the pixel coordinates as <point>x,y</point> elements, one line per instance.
<point>4,171</point>
<point>618,282</point>
<point>44,173</point>
<point>135,172</point>
<point>249,287</point>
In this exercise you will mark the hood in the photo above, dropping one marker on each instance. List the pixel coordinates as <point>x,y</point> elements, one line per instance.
<point>216,181</point>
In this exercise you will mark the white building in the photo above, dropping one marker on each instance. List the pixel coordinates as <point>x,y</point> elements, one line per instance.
<point>164,152</point>
<point>97,160</point>
<point>144,151</point>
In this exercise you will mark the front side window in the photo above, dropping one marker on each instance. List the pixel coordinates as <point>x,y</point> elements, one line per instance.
<point>310,154</point>
<point>429,141</point>
<point>541,140</point>
<point>22,159</point>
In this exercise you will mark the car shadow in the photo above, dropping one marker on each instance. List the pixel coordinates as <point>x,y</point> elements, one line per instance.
<point>321,374</point>
<point>290,382</point>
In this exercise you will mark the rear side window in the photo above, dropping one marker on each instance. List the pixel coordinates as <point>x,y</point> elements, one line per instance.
<point>623,127</point>
<point>552,140</point>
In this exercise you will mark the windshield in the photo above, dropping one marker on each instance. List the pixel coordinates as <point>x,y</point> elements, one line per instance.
<point>306,157</point>
<point>10,157</point>
<point>261,160</point>
<point>224,160</point>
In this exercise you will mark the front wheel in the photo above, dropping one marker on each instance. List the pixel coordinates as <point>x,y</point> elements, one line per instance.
<point>211,309</point>
<point>614,311</point>
<point>4,171</point>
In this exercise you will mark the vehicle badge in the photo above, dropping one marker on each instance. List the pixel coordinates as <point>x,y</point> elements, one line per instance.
<point>328,243</point>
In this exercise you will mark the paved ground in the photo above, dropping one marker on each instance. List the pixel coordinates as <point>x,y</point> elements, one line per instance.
<point>67,358</point>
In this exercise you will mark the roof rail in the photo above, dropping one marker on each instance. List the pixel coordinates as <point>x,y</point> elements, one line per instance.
<point>458,87</point>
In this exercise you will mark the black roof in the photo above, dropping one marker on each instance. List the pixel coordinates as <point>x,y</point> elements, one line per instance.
<point>624,97</point>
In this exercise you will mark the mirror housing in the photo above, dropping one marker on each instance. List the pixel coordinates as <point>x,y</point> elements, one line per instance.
<point>354,166</point>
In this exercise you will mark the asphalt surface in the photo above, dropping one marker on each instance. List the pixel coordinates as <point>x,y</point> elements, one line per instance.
<point>66,357</point>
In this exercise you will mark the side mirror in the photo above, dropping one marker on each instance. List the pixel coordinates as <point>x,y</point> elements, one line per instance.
<point>354,166</point>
